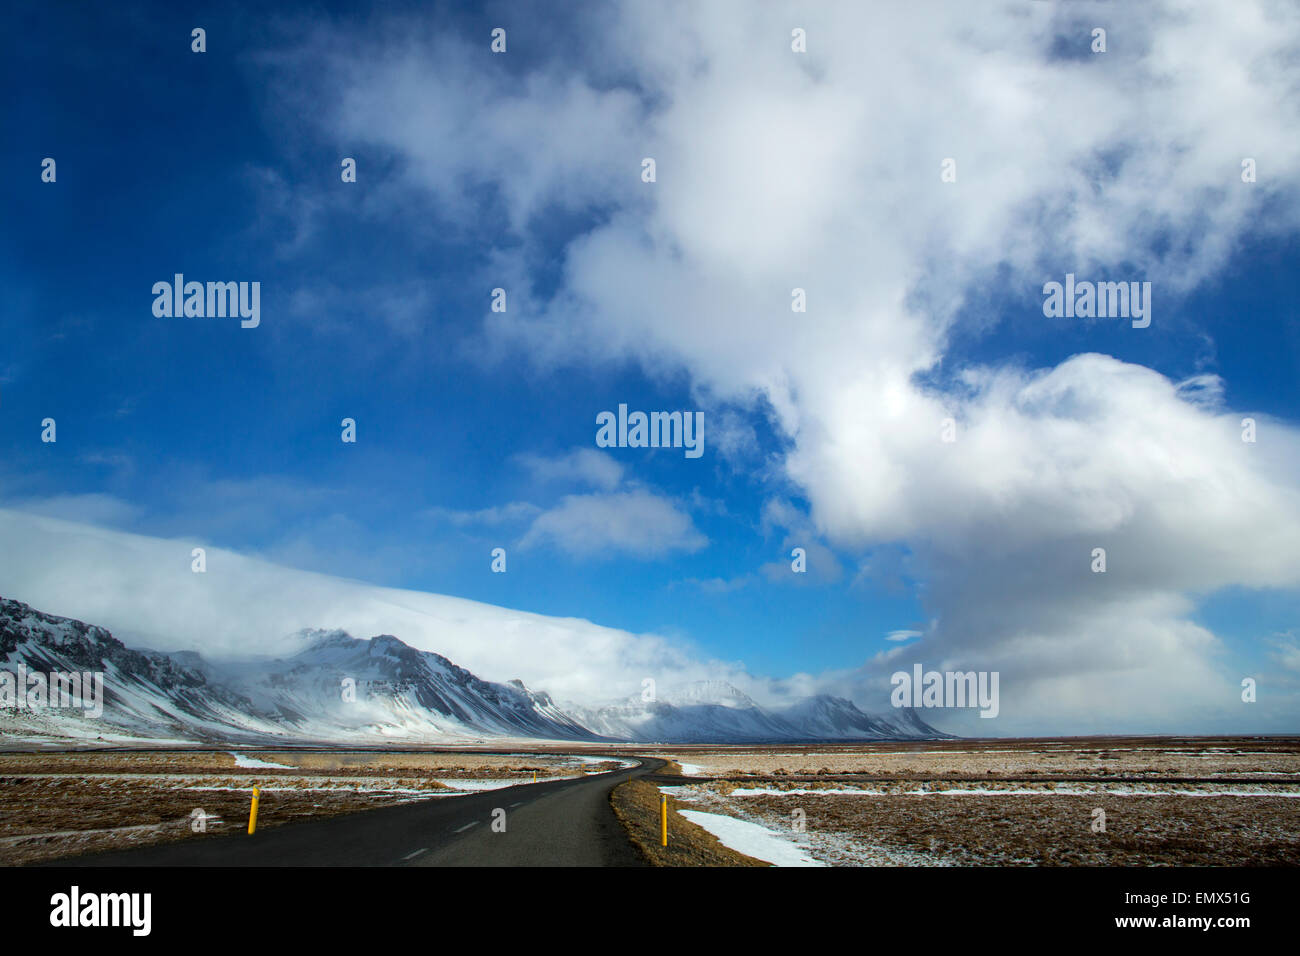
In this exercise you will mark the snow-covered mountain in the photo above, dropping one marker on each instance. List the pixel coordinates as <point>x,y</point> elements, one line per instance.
<point>824,717</point>
<point>338,688</point>
<point>335,688</point>
<point>339,683</point>
<point>717,712</point>
<point>705,712</point>
<point>146,694</point>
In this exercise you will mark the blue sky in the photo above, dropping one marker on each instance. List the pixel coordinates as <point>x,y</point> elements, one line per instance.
<point>375,306</point>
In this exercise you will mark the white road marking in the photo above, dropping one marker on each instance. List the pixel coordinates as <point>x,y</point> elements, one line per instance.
<point>415,854</point>
<point>519,804</point>
<point>466,827</point>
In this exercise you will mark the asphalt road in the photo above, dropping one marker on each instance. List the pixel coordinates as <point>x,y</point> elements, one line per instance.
<point>562,823</point>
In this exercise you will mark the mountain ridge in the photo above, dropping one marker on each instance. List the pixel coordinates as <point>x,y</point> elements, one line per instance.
<point>336,688</point>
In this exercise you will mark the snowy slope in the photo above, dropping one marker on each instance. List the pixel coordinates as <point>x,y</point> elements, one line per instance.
<point>400,693</point>
<point>397,691</point>
<point>145,693</point>
<point>824,717</point>
<point>717,712</point>
<point>338,688</point>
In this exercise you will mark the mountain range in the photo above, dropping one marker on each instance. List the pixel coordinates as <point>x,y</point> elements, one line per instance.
<point>339,689</point>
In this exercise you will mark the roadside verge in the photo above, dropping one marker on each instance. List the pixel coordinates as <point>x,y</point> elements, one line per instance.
<point>637,806</point>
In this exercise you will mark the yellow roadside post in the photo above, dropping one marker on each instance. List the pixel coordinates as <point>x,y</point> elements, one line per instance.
<point>663,821</point>
<point>534,776</point>
<point>252,813</point>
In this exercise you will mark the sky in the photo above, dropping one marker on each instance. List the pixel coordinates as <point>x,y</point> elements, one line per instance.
<point>775,170</point>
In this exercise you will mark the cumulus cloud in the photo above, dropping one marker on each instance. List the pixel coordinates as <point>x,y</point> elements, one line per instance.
<point>585,466</point>
<point>634,523</point>
<point>821,171</point>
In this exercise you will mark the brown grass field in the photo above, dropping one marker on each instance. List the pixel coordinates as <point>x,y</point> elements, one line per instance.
<point>1167,801</point>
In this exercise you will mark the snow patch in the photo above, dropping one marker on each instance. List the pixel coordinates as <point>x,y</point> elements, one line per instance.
<point>751,839</point>
<point>253,763</point>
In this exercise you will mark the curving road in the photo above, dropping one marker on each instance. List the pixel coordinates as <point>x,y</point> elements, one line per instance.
<point>561,823</point>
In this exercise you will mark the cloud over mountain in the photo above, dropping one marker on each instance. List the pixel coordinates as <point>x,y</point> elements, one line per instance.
<point>821,172</point>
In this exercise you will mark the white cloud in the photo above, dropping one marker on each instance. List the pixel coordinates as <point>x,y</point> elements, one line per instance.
<point>1286,651</point>
<point>720,585</point>
<point>734,437</point>
<point>581,465</point>
<point>820,564</point>
<point>635,523</point>
<point>821,171</point>
<point>496,515</point>
<point>143,590</point>
<point>92,508</point>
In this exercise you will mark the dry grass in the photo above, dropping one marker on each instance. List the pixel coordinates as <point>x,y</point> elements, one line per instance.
<point>1047,830</point>
<point>1168,801</point>
<point>333,763</point>
<point>932,760</point>
<point>637,805</point>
